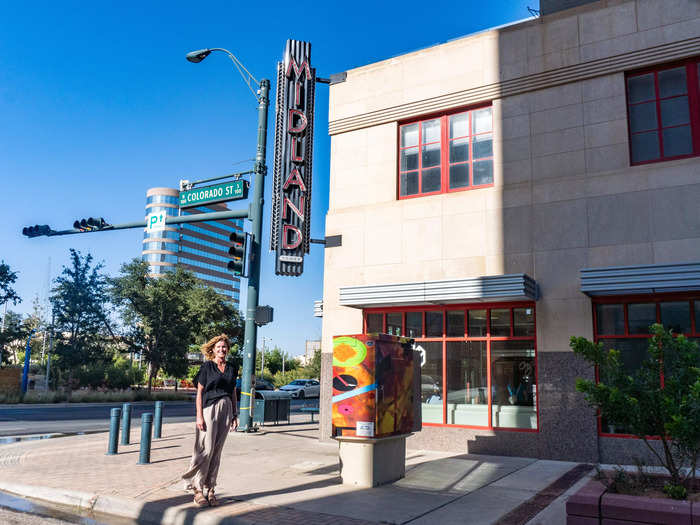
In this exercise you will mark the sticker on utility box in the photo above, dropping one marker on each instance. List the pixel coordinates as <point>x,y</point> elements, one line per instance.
<point>364,429</point>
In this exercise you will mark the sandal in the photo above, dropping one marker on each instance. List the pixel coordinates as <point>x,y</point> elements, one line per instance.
<point>199,499</point>
<point>212,499</point>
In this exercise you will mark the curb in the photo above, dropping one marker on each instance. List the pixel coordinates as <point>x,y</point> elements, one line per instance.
<point>120,507</point>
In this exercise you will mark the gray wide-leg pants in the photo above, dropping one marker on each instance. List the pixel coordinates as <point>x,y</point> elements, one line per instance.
<point>204,465</point>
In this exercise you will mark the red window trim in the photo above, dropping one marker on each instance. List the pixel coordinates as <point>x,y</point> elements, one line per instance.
<point>693,299</point>
<point>444,152</point>
<point>693,93</point>
<point>487,338</point>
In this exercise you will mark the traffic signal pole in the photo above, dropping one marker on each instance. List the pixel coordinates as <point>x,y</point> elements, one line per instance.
<point>255,215</point>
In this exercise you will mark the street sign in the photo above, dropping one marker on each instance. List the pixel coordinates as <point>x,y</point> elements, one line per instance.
<point>226,191</point>
<point>155,221</point>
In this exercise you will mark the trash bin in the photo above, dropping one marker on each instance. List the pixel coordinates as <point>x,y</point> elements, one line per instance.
<point>271,406</point>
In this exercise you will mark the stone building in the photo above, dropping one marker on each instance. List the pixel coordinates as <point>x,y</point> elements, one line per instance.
<point>500,193</point>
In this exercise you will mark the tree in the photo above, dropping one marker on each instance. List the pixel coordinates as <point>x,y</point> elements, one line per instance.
<point>7,279</point>
<point>80,302</point>
<point>12,337</point>
<point>273,360</point>
<point>659,400</point>
<point>165,315</point>
<point>313,369</point>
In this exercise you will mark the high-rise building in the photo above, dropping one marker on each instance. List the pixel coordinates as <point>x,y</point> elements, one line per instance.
<point>200,247</point>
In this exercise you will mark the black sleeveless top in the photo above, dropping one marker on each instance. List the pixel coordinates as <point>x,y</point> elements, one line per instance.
<point>216,384</point>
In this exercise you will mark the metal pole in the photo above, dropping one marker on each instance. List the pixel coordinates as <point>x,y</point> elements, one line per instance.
<point>48,361</point>
<point>282,363</point>
<point>145,449</point>
<point>25,372</point>
<point>113,431</point>
<point>262,360</point>
<point>126,423</point>
<point>158,423</point>
<point>255,215</point>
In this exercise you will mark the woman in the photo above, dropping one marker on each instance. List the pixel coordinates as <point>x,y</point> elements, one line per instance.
<point>217,413</point>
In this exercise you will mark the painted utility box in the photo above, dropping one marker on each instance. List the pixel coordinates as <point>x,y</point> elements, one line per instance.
<point>373,382</point>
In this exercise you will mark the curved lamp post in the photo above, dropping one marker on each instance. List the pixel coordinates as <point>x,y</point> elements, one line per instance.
<point>261,92</point>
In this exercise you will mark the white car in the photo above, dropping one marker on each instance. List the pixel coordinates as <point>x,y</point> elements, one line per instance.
<point>302,388</point>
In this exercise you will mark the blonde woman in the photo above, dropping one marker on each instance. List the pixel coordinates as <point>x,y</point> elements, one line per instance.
<point>217,413</point>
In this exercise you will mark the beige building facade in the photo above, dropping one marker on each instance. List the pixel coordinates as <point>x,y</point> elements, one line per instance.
<point>500,193</point>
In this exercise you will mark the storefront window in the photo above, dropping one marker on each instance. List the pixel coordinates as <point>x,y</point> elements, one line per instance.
<point>463,339</point>
<point>431,382</point>
<point>467,384</point>
<point>630,336</point>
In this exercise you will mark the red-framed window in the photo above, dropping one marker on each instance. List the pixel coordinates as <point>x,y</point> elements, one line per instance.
<point>478,362</point>
<point>663,108</point>
<point>449,152</point>
<point>622,323</point>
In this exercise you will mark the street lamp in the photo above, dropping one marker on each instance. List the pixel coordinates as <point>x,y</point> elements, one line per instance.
<point>261,92</point>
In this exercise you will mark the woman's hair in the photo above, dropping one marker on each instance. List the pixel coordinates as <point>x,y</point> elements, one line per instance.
<point>208,347</point>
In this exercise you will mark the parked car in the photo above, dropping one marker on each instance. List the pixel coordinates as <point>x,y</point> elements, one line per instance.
<point>260,384</point>
<point>302,388</point>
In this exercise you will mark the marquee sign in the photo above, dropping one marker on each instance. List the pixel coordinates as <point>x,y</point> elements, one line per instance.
<point>291,191</point>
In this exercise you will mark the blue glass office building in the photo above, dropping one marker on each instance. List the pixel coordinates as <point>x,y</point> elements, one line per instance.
<point>201,247</point>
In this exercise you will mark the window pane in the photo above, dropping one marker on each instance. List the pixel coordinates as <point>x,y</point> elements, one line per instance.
<point>674,111</point>
<point>455,323</point>
<point>672,82</point>
<point>459,125</point>
<point>409,135</point>
<point>676,316</point>
<point>431,180</point>
<point>611,319</point>
<point>393,323</point>
<point>431,381</point>
<point>375,323</point>
<point>431,131</point>
<point>409,183</point>
<point>643,117</point>
<point>500,322</point>
<point>523,322</point>
<point>431,155</point>
<point>640,317</point>
<point>513,384</point>
<point>641,87</point>
<point>632,353</point>
<point>409,159</point>
<point>414,324</point>
<point>459,150</point>
<point>483,172</point>
<point>483,146</point>
<point>645,146</point>
<point>677,141</point>
<point>477,323</point>
<point>433,322</point>
<point>481,121</point>
<point>467,387</point>
<point>459,175</point>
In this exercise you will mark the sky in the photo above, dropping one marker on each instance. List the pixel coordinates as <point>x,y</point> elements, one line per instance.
<point>98,104</point>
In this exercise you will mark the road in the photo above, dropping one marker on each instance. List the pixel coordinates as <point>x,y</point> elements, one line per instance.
<point>65,418</point>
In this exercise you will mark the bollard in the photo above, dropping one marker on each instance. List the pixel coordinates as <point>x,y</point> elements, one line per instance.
<point>113,431</point>
<point>126,423</point>
<point>158,421</point>
<point>145,451</point>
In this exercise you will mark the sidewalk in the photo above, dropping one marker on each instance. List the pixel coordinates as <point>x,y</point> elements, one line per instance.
<point>283,475</point>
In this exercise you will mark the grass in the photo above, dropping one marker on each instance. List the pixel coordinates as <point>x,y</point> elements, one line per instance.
<point>92,396</point>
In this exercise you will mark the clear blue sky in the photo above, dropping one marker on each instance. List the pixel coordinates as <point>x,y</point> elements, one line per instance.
<point>97,104</point>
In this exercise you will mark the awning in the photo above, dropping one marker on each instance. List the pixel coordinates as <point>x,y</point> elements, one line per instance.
<point>652,278</point>
<point>512,287</point>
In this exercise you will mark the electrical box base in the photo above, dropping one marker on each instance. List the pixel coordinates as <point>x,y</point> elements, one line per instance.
<point>370,462</point>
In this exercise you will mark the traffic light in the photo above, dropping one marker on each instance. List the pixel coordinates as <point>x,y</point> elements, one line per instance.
<point>90,224</point>
<point>36,230</point>
<point>238,265</point>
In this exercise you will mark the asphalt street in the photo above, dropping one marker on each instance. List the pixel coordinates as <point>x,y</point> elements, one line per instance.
<point>65,418</point>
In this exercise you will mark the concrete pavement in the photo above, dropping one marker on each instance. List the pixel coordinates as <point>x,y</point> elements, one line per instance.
<point>284,475</point>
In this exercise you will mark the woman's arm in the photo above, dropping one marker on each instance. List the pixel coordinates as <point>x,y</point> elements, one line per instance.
<point>234,402</point>
<point>200,411</point>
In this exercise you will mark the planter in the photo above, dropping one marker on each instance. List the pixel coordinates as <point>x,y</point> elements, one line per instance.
<point>593,505</point>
